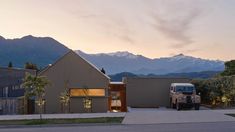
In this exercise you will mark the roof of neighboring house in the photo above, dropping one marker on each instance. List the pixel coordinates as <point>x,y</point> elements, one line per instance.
<point>17,69</point>
<point>13,76</point>
<point>71,51</point>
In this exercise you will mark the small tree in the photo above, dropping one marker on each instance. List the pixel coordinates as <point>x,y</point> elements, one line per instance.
<point>35,87</point>
<point>65,97</point>
<point>87,102</point>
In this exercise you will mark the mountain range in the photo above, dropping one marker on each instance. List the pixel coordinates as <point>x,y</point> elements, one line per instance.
<point>118,62</point>
<point>45,50</point>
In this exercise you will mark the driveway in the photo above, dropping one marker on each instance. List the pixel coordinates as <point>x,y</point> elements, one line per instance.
<point>163,115</point>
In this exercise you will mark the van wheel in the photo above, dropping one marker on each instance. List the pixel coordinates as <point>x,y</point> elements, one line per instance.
<point>173,106</point>
<point>178,107</point>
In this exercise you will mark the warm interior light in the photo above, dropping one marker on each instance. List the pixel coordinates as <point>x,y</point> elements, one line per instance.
<point>81,92</point>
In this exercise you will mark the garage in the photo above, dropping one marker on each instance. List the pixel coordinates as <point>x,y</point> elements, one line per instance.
<point>149,92</point>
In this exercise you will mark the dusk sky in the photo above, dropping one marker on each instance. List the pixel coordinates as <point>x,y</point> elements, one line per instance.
<point>153,28</point>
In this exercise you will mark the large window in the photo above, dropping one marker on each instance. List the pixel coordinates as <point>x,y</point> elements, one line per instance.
<point>87,103</point>
<point>81,92</point>
<point>115,102</point>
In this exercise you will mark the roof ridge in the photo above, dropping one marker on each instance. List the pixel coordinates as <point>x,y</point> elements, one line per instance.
<point>92,65</point>
<point>71,51</point>
<point>49,66</point>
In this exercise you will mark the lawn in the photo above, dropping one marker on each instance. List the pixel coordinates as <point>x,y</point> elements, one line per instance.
<point>106,120</point>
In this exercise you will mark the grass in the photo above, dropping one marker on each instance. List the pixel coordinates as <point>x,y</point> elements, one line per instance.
<point>63,121</point>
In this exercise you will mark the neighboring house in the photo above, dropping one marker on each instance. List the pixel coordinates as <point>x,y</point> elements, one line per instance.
<point>87,85</point>
<point>11,89</point>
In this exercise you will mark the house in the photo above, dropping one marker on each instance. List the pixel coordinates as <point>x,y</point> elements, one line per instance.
<point>11,89</point>
<point>89,89</point>
<point>86,85</point>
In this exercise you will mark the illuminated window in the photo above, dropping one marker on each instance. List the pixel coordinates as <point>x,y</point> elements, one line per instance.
<point>76,92</point>
<point>116,102</point>
<point>87,103</point>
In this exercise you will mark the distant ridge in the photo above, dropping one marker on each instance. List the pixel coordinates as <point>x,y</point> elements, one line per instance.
<point>192,75</point>
<point>39,50</point>
<point>125,61</point>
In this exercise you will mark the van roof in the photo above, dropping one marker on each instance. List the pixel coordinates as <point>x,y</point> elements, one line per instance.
<point>182,84</point>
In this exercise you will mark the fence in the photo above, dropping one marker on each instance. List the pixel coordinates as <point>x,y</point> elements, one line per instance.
<point>9,106</point>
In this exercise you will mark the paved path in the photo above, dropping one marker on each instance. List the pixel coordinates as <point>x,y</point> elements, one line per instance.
<point>61,116</point>
<point>158,116</point>
<point>189,127</point>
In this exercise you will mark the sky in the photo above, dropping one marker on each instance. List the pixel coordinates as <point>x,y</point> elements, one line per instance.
<point>153,28</point>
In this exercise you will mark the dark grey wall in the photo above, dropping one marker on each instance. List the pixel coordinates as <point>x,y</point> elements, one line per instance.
<point>149,92</point>
<point>99,105</point>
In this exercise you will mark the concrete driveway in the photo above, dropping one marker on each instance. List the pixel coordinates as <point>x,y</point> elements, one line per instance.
<point>163,115</point>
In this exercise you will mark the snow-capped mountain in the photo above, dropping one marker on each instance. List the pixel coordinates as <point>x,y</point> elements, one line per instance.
<point>127,62</point>
<point>125,54</point>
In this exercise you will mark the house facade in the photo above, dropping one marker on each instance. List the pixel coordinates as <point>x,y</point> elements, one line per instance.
<point>89,88</point>
<point>86,85</point>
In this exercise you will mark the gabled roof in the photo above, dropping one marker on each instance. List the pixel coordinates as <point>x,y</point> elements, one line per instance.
<point>71,51</point>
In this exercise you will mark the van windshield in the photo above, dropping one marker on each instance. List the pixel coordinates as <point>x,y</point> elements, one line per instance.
<point>187,89</point>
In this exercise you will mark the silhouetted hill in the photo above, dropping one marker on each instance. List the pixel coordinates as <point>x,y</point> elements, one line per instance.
<point>118,77</point>
<point>39,50</point>
<point>191,75</point>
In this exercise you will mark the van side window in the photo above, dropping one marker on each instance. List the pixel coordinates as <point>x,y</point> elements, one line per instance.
<point>174,89</point>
